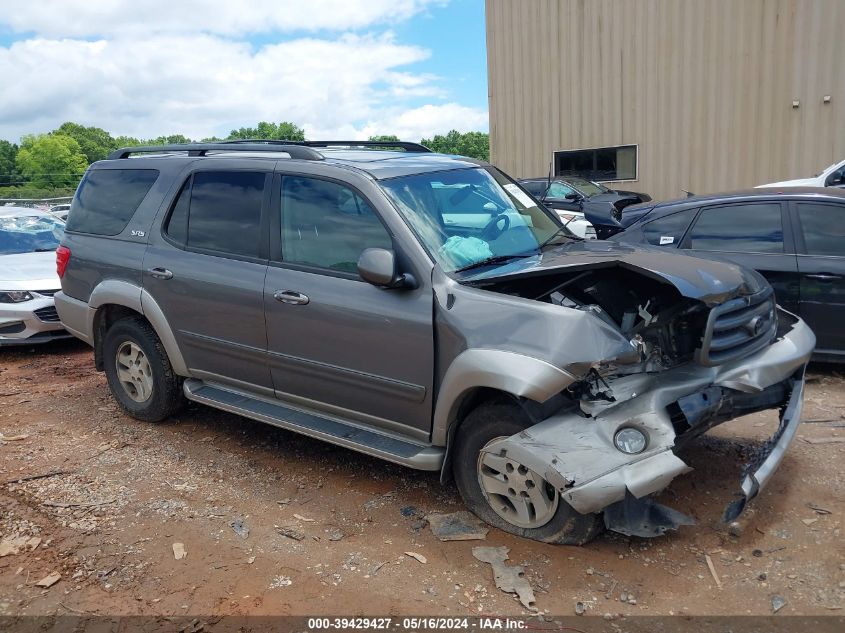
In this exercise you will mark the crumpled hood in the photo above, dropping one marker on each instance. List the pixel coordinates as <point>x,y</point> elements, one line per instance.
<point>712,282</point>
<point>29,271</point>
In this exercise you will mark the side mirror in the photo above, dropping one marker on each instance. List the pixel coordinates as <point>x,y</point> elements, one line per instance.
<point>575,197</point>
<point>378,267</point>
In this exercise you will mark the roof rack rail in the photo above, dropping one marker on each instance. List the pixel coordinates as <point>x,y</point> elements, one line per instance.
<point>404,145</point>
<point>294,150</point>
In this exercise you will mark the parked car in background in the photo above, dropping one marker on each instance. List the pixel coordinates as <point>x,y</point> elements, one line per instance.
<point>60,211</point>
<point>571,196</point>
<point>833,176</point>
<point>794,236</point>
<point>424,309</point>
<point>28,279</point>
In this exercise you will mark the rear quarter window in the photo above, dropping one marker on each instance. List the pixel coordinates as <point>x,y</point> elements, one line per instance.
<point>107,199</point>
<point>668,230</point>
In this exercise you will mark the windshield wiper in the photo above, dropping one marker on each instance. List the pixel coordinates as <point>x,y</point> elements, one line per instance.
<point>560,231</point>
<point>493,260</point>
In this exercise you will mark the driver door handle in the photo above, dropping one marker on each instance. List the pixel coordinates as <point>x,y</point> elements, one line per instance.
<point>823,276</point>
<point>291,297</point>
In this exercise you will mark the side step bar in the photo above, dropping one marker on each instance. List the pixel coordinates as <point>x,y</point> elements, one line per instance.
<point>387,447</point>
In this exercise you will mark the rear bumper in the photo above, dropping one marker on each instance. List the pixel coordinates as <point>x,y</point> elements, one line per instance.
<point>577,455</point>
<point>77,317</point>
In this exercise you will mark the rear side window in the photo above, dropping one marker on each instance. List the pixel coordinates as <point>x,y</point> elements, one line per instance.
<point>748,228</point>
<point>668,230</point>
<point>108,198</point>
<point>823,227</point>
<point>219,211</point>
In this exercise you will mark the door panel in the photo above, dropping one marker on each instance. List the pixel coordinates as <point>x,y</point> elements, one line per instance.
<point>823,299</point>
<point>206,269</point>
<point>215,307</point>
<point>821,264</point>
<point>353,346</point>
<point>343,346</point>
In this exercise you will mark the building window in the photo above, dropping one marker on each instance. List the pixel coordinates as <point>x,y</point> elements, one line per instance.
<point>598,163</point>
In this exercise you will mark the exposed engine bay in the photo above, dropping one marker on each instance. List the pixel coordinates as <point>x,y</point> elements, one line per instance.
<point>638,354</point>
<point>665,328</point>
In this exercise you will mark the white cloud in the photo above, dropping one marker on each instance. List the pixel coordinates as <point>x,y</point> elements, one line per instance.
<point>74,18</point>
<point>206,82</point>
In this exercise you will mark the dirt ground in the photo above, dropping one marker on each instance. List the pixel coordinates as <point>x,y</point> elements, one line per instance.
<point>140,488</point>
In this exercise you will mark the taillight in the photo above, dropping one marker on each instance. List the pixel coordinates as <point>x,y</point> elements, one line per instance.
<point>62,258</point>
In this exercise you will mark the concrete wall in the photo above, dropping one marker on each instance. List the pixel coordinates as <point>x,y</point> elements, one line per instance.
<point>704,87</point>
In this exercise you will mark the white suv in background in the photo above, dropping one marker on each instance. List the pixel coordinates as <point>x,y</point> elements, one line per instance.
<point>833,176</point>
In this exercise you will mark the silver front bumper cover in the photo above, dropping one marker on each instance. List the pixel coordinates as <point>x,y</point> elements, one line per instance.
<point>577,456</point>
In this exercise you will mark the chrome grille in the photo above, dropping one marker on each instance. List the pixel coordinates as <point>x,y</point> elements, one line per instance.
<point>48,314</point>
<point>739,327</point>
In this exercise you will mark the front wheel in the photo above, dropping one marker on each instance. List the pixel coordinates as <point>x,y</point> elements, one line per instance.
<point>507,494</point>
<point>139,373</point>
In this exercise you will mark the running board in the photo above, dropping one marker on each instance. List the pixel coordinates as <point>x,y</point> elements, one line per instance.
<point>387,447</point>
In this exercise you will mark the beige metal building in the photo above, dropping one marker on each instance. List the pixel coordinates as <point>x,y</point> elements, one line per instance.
<point>704,95</point>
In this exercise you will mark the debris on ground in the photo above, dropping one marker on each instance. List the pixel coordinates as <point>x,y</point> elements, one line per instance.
<point>778,603</point>
<point>12,438</point>
<point>580,608</point>
<point>49,581</point>
<point>281,581</point>
<point>179,551</point>
<point>240,528</point>
<point>712,569</point>
<point>418,557</point>
<point>302,518</point>
<point>11,546</point>
<point>289,532</point>
<point>510,579</point>
<point>458,526</point>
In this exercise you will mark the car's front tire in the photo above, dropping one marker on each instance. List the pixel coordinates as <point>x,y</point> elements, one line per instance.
<point>139,372</point>
<point>505,493</point>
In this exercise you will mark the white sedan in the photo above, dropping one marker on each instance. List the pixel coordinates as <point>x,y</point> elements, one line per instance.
<point>833,176</point>
<point>28,279</point>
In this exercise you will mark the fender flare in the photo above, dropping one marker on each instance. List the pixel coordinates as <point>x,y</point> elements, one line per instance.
<point>128,295</point>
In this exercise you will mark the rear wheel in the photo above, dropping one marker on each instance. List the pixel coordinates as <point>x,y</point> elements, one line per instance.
<point>507,494</point>
<point>139,372</point>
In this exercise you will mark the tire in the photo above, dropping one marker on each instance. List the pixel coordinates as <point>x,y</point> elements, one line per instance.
<point>557,522</point>
<point>157,389</point>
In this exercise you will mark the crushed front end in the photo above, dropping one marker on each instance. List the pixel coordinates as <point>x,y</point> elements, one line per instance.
<point>688,363</point>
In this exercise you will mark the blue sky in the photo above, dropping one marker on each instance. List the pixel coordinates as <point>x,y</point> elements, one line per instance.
<point>143,68</point>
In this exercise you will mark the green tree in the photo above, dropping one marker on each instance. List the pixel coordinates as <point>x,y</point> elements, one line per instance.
<point>171,139</point>
<point>94,142</point>
<point>472,144</point>
<point>284,131</point>
<point>126,141</point>
<point>385,138</point>
<point>51,160</point>
<point>8,172</point>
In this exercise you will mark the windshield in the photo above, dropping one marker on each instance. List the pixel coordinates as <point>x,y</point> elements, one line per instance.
<point>587,187</point>
<point>466,217</point>
<point>29,234</point>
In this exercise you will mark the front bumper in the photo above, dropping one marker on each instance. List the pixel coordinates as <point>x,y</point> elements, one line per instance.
<point>33,321</point>
<point>576,454</point>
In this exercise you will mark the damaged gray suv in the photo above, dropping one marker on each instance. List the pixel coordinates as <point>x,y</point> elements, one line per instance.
<point>427,310</point>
